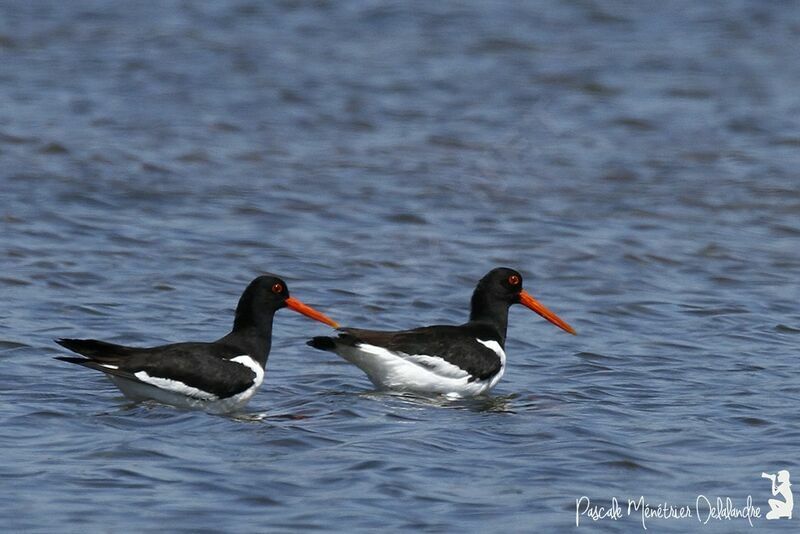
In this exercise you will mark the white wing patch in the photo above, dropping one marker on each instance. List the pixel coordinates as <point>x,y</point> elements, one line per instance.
<point>175,386</point>
<point>437,365</point>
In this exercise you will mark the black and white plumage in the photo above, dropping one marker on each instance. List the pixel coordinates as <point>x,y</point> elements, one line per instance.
<point>218,376</point>
<point>459,361</point>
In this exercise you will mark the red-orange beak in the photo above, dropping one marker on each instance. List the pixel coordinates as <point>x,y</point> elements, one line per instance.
<point>310,312</point>
<point>529,302</point>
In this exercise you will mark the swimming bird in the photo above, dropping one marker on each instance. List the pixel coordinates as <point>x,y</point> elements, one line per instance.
<point>458,361</point>
<point>218,376</point>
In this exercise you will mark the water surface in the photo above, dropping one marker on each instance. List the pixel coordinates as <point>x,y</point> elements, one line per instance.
<point>637,162</point>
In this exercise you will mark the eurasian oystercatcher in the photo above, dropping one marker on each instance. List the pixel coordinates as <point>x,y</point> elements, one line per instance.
<point>219,376</point>
<point>459,361</point>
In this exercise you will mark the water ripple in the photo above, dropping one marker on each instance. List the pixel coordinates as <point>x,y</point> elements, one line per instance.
<point>159,158</point>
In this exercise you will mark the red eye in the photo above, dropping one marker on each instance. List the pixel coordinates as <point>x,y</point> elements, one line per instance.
<point>277,288</point>
<point>513,280</point>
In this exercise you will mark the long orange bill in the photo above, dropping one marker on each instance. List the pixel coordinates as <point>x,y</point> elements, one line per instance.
<point>528,301</point>
<point>310,312</point>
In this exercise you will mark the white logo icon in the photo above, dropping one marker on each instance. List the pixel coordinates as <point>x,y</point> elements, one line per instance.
<point>782,486</point>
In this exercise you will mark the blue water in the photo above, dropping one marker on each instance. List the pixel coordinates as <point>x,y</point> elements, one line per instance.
<point>638,162</point>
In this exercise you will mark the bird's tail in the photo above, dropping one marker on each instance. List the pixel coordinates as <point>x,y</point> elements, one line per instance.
<point>94,349</point>
<point>322,343</point>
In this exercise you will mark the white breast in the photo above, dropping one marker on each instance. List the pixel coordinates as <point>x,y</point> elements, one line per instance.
<point>240,399</point>
<point>495,346</point>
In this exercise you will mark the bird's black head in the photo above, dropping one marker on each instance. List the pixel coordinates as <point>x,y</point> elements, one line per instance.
<point>502,285</point>
<point>267,291</point>
<point>263,297</point>
<point>499,289</point>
